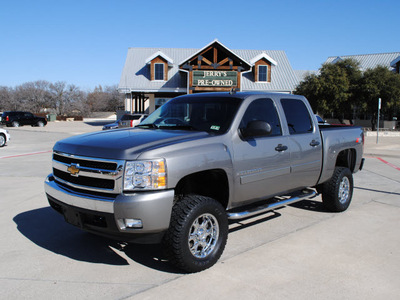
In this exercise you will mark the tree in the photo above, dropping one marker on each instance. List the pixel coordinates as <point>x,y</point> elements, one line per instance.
<point>107,99</point>
<point>32,96</point>
<point>58,96</point>
<point>334,90</point>
<point>381,83</point>
<point>77,101</point>
<point>6,98</point>
<point>115,98</point>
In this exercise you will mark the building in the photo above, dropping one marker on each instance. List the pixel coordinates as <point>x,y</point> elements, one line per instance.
<point>152,76</point>
<point>370,61</point>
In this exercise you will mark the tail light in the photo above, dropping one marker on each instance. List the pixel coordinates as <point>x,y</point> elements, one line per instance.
<point>7,119</point>
<point>131,123</point>
<point>362,138</point>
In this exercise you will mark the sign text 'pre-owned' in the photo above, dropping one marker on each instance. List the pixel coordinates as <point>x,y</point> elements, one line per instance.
<point>215,78</point>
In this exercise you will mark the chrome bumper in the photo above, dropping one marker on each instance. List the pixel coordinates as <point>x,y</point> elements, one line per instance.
<point>153,208</point>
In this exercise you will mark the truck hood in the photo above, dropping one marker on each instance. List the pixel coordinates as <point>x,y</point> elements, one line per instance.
<point>123,143</point>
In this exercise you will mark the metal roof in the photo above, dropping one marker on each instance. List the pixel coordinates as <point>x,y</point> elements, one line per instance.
<point>369,61</point>
<point>302,74</point>
<point>136,73</point>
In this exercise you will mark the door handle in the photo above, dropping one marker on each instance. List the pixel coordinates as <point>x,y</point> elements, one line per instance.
<point>314,143</point>
<point>281,148</point>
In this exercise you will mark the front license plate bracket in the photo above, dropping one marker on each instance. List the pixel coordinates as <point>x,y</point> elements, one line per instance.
<point>72,217</point>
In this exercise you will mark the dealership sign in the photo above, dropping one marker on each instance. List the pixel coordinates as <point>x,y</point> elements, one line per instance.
<point>215,78</point>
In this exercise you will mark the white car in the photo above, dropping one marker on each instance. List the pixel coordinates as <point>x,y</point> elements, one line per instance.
<point>4,137</point>
<point>127,120</point>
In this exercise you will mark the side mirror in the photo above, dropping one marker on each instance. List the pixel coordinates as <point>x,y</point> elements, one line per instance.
<point>256,129</point>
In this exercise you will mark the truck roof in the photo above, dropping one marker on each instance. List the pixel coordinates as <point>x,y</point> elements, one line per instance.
<point>240,95</point>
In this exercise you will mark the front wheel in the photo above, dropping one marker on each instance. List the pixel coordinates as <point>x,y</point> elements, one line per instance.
<point>197,234</point>
<point>338,191</point>
<point>2,140</point>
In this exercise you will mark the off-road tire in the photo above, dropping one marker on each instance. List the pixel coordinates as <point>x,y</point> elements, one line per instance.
<point>197,234</point>
<point>338,191</point>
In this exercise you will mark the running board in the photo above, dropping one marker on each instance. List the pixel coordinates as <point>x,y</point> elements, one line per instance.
<point>270,206</point>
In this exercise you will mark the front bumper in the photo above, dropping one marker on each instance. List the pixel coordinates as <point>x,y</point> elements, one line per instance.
<point>105,216</point>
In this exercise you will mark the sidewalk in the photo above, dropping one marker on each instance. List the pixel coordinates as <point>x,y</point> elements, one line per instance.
<point>388,146</point>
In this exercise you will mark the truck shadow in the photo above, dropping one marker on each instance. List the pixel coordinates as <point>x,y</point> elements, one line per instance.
<point>235,225</point>
<point>310,205</point>
<point>48,230</point>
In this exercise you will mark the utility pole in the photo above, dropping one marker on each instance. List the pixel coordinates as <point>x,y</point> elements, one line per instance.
<point>377,128</point>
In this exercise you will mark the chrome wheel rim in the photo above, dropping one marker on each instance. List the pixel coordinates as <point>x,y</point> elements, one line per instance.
<point>344,190</point>
<point>203,235</point>
<point>2,140</point>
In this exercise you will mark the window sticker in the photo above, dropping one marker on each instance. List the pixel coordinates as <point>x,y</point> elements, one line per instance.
<point>215,127</point>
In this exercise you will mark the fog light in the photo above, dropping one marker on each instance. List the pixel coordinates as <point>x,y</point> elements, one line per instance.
<point>133,223</point>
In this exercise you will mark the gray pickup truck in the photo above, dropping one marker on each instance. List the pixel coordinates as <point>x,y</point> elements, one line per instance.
<point>197,162</point>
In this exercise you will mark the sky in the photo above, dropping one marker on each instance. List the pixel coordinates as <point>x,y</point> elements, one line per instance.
<point>85,42</point>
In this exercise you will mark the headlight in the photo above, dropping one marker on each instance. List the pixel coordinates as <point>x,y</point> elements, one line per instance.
<point>145,174</point>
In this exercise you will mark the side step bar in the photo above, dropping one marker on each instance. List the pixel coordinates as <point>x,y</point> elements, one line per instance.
<point>307,194</point>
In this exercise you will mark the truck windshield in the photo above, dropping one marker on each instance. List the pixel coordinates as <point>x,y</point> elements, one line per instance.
<point>211,114</point>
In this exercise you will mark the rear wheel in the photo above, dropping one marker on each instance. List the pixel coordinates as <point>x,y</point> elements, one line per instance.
<point>338,191</point>
<point>198,233</point>
<point>15,124</point>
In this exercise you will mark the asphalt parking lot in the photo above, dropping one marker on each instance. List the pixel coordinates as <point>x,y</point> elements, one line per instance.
<point>297,252</point>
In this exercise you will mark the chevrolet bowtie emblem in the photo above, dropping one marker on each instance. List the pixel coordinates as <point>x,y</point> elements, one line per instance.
<point>73,170</point>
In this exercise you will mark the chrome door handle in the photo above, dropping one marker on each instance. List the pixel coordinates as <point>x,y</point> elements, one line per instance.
<point>281,148</point>
<point>314,143</point>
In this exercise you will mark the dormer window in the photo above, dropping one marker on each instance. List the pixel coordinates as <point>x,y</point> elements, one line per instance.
<point>159,63</point>
<point>159,71</point>
<point>263,73</point>
<point>262,67</point>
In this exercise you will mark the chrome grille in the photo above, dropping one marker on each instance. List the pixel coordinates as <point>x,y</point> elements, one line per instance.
<point>88,173</point>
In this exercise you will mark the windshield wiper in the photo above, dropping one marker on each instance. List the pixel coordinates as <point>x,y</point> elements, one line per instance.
<point>179,127</point>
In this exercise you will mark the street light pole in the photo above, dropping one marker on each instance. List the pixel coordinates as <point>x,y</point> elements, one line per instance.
<point>377,128</point>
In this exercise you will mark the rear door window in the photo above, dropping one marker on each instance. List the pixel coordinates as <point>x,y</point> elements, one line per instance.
<point>297,116</point>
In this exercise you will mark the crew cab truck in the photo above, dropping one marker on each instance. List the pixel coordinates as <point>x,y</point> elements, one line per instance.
<point>197,162</point>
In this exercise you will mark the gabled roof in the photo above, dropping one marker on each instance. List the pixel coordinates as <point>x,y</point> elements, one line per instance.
<point>207,46</point>
<point>261,56</point>
<point>393,63</point>
<point>159,53</point>
<point>136,73</point>
<point>302,74</point>
<point>369,61</point>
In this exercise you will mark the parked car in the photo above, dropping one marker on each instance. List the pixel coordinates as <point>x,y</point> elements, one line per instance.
<point>20,118</point>
<point>127,120</point>
<point>4,137</point>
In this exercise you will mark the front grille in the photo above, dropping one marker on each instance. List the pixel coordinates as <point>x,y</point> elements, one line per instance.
<point>85,191</point>
<point>88,174</point>
<point>86,163</point>
<point>84,180</point>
